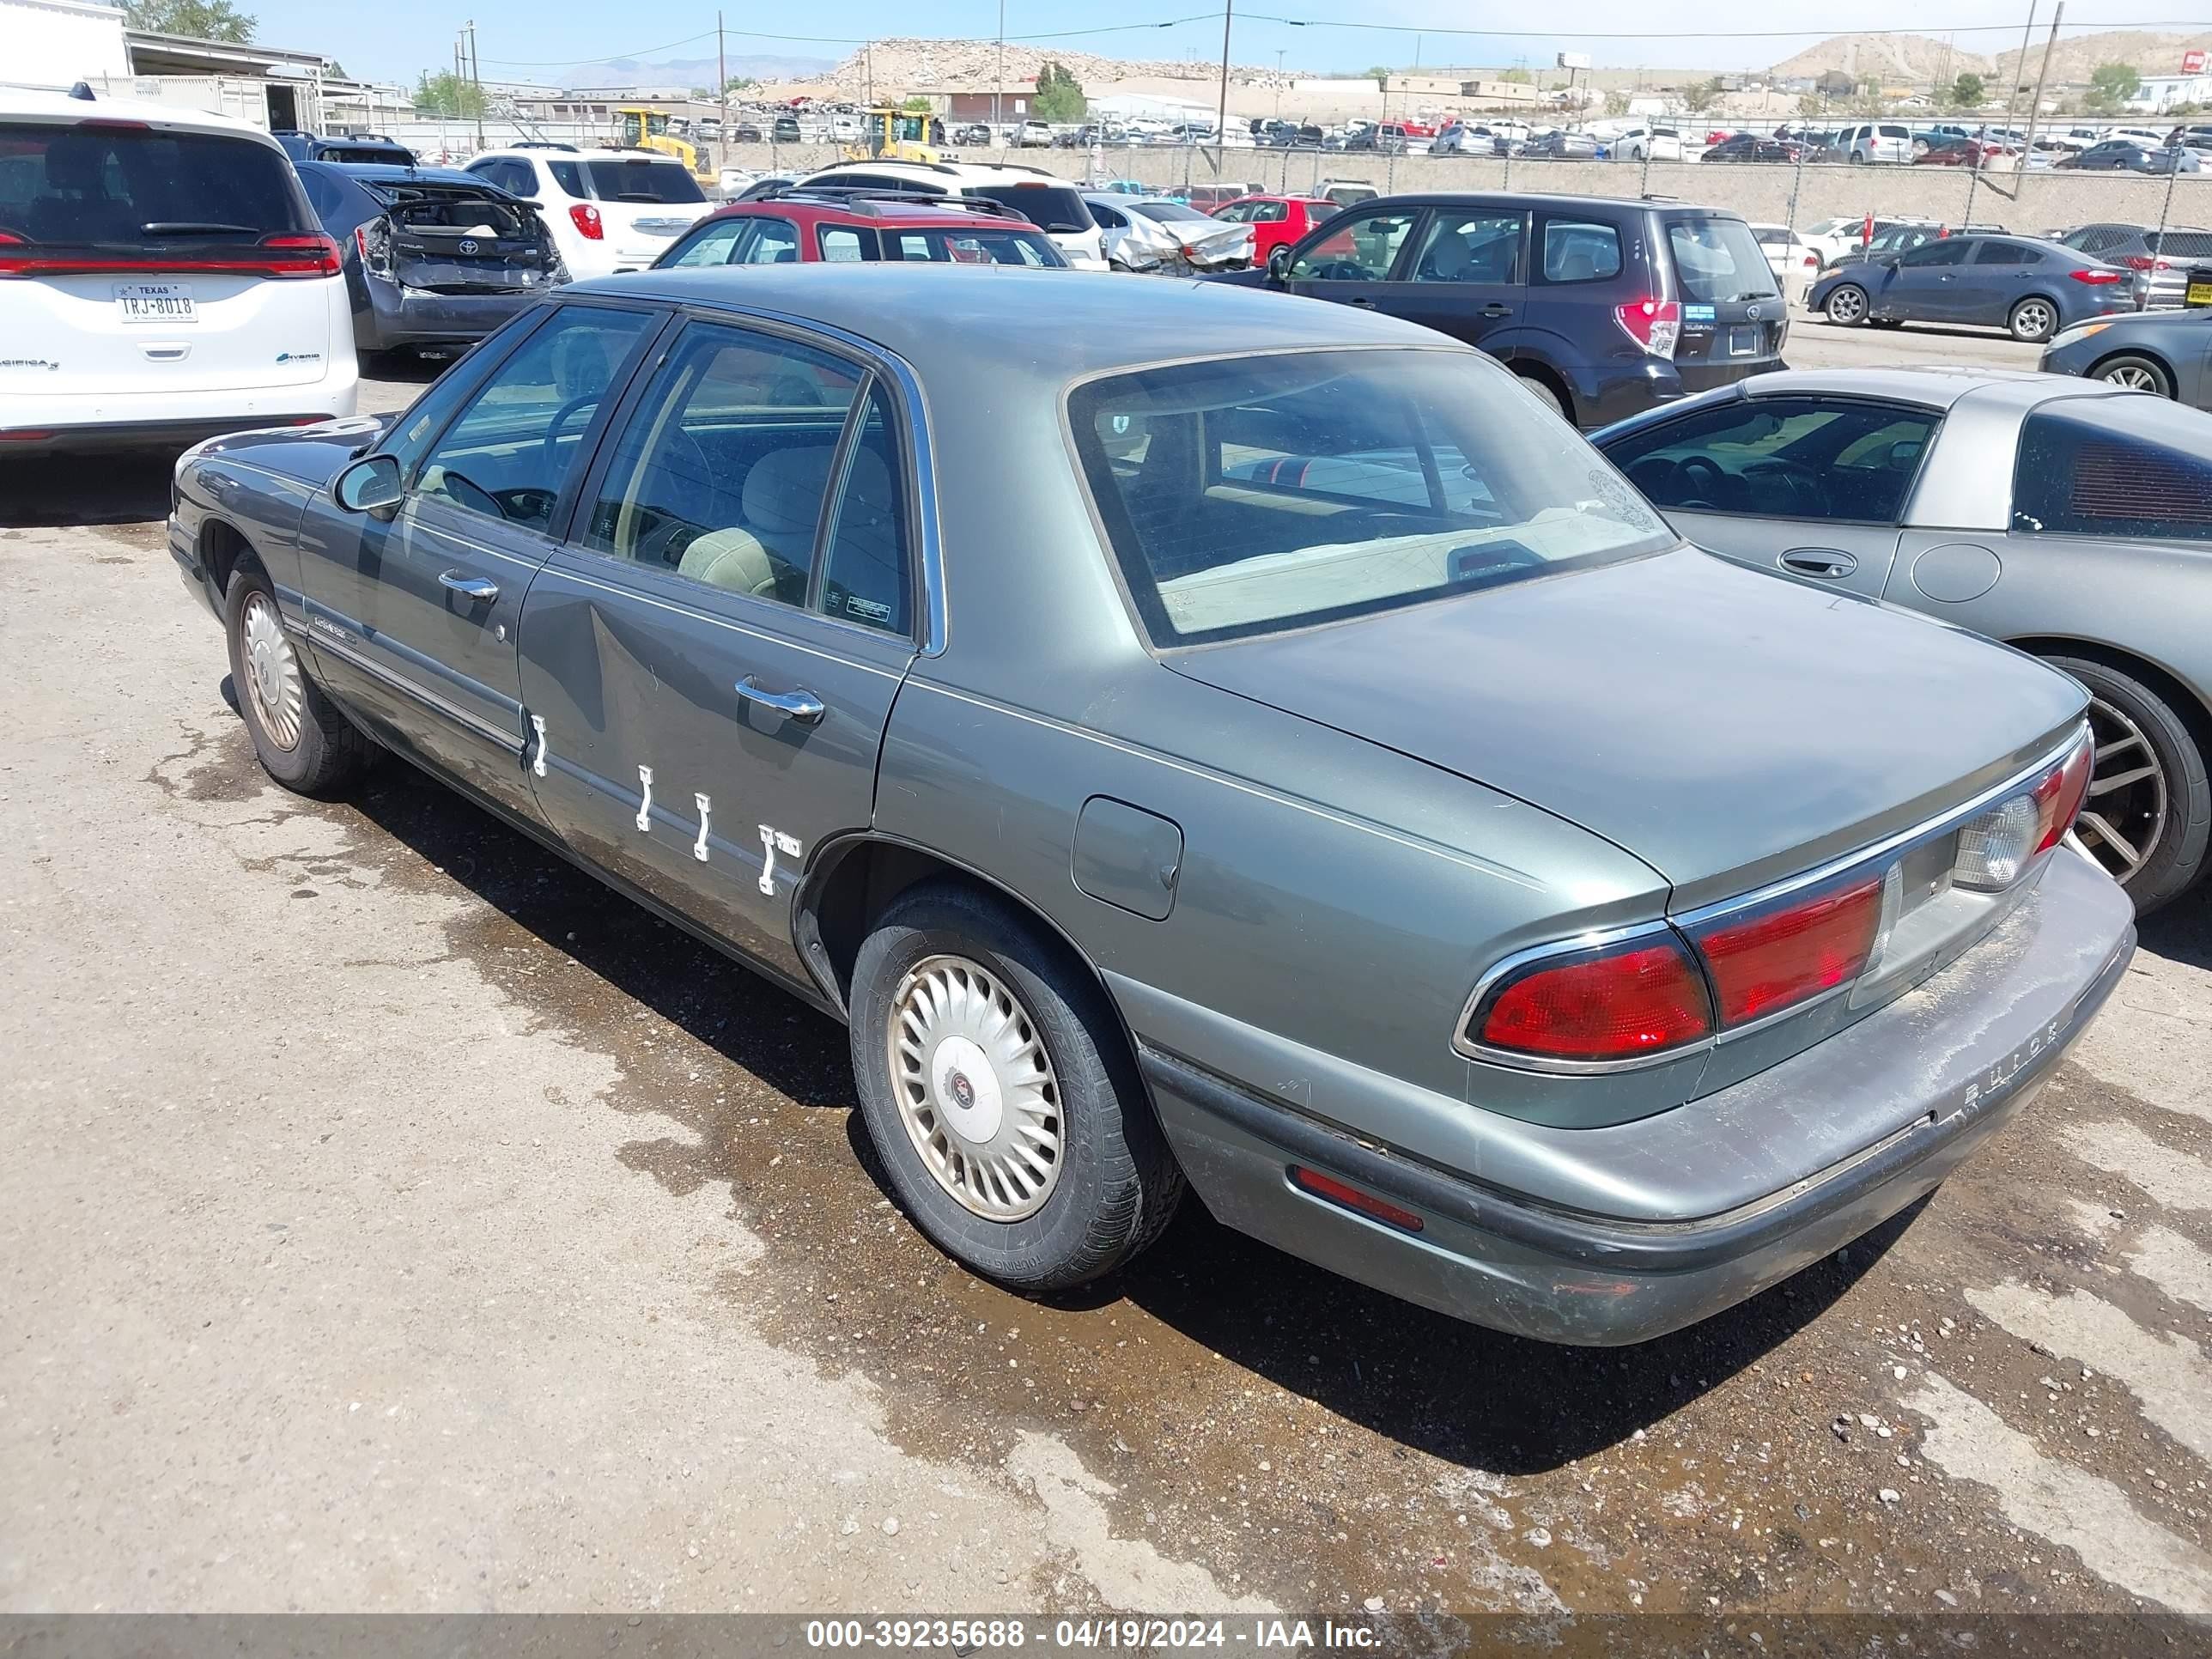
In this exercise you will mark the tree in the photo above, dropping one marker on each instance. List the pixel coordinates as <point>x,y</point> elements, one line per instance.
<point>1616,103</point>
<point>2111,85</point>
<point>1968,91</point>
<point>1519,77</point>
<point>741,84</point>
<point>203,20</point>
<point>1059,95</point>
<point>1810,104</point>
<point>1699,97</point>
<point>1379,75</point>
<point>447,94</point>
<point>917,105</point>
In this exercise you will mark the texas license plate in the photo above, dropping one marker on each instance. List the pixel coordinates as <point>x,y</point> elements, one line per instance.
<point>155,302</point>
<point>1743,342</point>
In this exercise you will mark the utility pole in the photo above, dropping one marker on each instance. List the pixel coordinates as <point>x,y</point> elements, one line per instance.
<point>2012,100</point>
<point>476,80</point>
<point>2035,104</point>
<point>722,77</point>
<point>999,77</point>
<point>1221,112</point>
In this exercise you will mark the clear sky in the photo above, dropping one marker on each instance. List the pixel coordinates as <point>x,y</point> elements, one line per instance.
<point>535,40</point>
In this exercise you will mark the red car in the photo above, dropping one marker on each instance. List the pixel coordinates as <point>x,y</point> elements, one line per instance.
<point>1963,153</point>
<point>1276,221</point>
<point>788,226</point>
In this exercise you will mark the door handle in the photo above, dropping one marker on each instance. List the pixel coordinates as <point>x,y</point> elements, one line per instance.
<point>1494,309</point>
<point>1365,304</point>
<point>478,590</point>
<point>801,705</point>
<point>1831,563</point>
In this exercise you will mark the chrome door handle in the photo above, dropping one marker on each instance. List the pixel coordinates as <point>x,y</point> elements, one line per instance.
<point>478,590</point>
<point>1830,562</point>
<point>801,705</point>
<point>1494,309</point>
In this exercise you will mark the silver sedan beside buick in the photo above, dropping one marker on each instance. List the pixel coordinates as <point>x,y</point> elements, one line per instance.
<point>1200,739</point>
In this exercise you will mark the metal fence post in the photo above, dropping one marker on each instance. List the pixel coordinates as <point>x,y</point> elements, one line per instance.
<point>1797,183</point>
<point>1390,173</point>
<point>1645,187</point>
<point>1508,185</point>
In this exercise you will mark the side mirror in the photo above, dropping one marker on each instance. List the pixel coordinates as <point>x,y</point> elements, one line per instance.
<point>1278,263</point>
<point>369,485</point>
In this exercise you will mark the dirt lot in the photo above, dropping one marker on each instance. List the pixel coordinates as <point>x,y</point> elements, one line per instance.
<point>394,1220</point>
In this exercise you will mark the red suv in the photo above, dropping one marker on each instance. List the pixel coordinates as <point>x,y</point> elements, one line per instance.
<point>1275,220</point>
<point>803,226</point>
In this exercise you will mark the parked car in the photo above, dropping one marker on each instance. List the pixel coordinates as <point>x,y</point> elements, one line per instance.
<point>363,147</point>
<point>609,210</point>
<point>1563,147</point>
<point>1033,135</point>
<point>1343,192</point>
<point>1832,239</point>
<point>2029,288</point>
<point>2127,155</point>
<point>1602,306</point>
<point>1794,262</point>
<point>784,129</point>
<point>795,226</point>
<point>2168,353</point>
<point>1382,138</point>
<point>959,668</point>
<point>1048,201</point>
<point>2164,258</point>
<point>435,261</point>
<point>1981,153</point>
<point>1925,139</point>
<point>973,132</point>
<point>161,277</point>
<point>2060,515</point>
<point>1152,234</point>
<point>1645,142</point>
<point>1876,140</point>
<point>1276,221</point>
<point>1750,146</point>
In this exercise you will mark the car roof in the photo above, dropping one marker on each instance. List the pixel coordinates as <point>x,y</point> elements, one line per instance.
<point>391,173</point>
<point>1933,386</point>
<point>867,210</point>
<point>23,103</point>
<point>1006,324</point>
<point>1537,200</point>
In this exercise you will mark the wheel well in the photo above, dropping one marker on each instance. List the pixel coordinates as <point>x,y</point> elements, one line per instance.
<point>1550,377</point>
<point>223,550</point>
<point>2149,356</point>
<point>2185,703</point>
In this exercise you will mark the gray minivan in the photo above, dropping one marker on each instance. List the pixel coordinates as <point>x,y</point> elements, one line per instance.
<point>1604,307</point>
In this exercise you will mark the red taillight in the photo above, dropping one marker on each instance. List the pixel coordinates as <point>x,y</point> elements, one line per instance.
<point>25,435</point>
<point>2095,278</point>
<point>315,255</point>
<point>1352,1198</point>
<point>2059,797</point>
<point>1654,325</point>
<point>1640,997</point>
<point>281,255</point>
<point>586,218</point>
<point>1780,958</point>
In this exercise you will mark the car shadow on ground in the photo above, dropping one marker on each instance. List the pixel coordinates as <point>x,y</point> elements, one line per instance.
<point>2183,931</point>
<point>64,492</point>
<point>1473,1396</point>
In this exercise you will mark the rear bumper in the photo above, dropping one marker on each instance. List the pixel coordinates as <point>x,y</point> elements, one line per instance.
<point>415,317</point>
<point>70,421</point>
<point>1951,1062</point>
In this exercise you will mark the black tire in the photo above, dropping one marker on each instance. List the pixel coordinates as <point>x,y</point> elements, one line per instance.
<point>2153,371</point>
<point>1118,1184</point>
<point>2176,859</point>
<point>328,753</point>
<point>2033,321</point>
<point>1859,300</point>
<point>1550,395</point>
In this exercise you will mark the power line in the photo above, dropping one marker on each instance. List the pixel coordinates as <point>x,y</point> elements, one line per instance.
<point>853,39</point>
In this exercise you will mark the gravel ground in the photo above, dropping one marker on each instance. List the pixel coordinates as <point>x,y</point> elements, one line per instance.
<point>395,1220</point>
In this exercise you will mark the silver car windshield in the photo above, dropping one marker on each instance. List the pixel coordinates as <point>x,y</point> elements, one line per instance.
<point>1252,495</point>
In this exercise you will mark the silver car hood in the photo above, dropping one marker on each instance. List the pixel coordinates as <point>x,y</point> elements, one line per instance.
<point>1726,726</point>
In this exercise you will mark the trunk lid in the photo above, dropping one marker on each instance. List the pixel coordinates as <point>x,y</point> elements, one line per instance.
<point>1733,320</point>
<point>460,242</point>
<point>1728,728</point>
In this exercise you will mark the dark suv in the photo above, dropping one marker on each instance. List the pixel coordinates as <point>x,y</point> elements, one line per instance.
<point>1605,307</point>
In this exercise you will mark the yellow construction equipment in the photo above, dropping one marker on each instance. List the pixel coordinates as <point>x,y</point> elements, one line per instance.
<point>639,127</point>
<point>897,135</point>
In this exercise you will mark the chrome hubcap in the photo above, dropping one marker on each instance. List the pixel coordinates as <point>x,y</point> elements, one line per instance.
<point>2033,319</point>
<point>975,1088</point>
<point>2124,814</point>
<point>272,671</point>
<point>2133,376</point>
<point>1846,306</point>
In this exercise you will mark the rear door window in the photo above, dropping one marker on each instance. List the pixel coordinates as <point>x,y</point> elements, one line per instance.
<point>1717,260</point>
<point>841,244</point>
<point>1049,207</point>
<point>139,191</point>
<point>2139,468</point>
<point>713,245</point>
<point>2007,253</point>
<point>1579,251</point>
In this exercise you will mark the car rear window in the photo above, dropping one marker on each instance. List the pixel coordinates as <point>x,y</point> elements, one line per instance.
<point>2181,243</point>
<point>1250,495</point>
<point>2134,467</point>
<point>962,246</point>
<point>1049,207</point>
<point>115,185</point>
<point>632,181</point>
<point>1166,212</point>
<point>1717,260</point>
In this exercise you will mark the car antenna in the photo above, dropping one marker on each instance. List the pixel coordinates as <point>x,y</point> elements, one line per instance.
<point>82,90</point>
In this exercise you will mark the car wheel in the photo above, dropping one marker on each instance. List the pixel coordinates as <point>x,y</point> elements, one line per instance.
<point>299,736</point>
<point>1546,393</point>
<point>1857,160</point>
<point>2033,321</point>
<point>2148,814</point>
<point>1846,305</point>
<point>2135,373</point>
<point>1000,1095</point>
